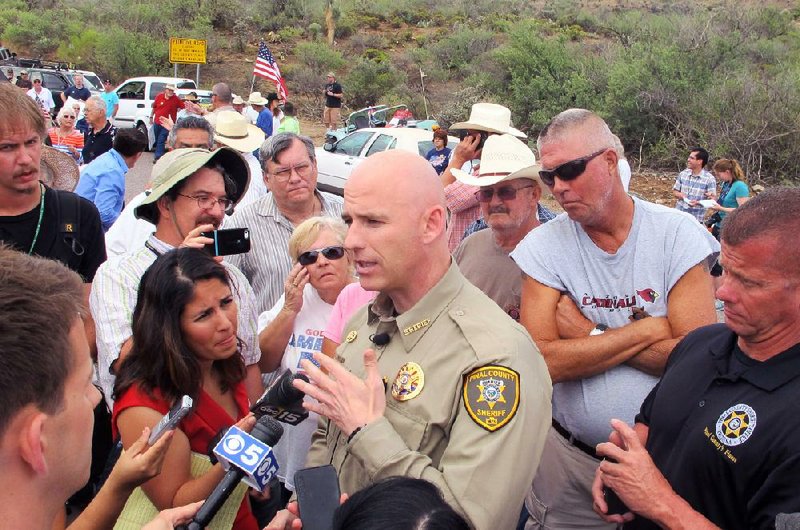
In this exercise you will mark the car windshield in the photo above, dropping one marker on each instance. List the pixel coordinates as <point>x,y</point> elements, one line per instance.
<point>93,80</point>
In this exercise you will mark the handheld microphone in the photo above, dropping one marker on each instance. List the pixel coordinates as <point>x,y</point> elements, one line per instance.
<point>244,456</point>
<point>380,339</point>
<point>282,400</point>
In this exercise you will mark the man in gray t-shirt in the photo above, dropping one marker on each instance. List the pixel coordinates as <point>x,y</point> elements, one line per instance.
<point>609,289</point>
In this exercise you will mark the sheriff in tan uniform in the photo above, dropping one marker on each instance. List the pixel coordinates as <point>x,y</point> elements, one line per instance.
<point>467,402</point>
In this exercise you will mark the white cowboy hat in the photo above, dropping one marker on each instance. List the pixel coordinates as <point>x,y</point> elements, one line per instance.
<point>58,169</point>
<point>237,100</point>
<point>504,158</point>
<point>170,87</point>
<point>489,117</point>
<point>233,130</point>
<point>256,99</point>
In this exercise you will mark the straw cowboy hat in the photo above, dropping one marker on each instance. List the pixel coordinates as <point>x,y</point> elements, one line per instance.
<point>58,169</point>
<point>504,158</point>
<point>489,117</point>
<point>237,100</point>
<point>179,164</point>
<point>256,99</point>
<point>233,129</point>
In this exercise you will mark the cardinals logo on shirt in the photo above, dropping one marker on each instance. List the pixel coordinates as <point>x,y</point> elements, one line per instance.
<point>648,295</point>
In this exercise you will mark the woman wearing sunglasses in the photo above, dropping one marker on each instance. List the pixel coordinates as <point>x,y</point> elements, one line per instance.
<point>65,137</point>
<point>292,329</point>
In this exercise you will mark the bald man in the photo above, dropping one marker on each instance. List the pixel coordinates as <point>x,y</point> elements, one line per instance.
<point>433,379</point>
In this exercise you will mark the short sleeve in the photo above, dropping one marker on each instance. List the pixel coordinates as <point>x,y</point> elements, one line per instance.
<point>266,317</point>
<point>535,252</point>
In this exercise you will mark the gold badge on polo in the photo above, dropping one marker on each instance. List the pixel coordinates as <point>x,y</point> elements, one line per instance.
<point>409,382</point>
<point>351,336</point>
<point>491,396</point>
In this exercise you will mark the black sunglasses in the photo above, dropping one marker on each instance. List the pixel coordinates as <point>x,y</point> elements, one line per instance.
<point>568,170</point>
<point>310,257</point>
<point>506,193</point>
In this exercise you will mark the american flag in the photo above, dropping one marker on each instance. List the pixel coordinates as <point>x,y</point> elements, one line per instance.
<point>267,68</point>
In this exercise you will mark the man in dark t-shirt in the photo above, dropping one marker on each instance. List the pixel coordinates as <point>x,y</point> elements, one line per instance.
<point>333,102</point>
<point>24,81</point>
<point>717,441</point>
<point>76,92</point>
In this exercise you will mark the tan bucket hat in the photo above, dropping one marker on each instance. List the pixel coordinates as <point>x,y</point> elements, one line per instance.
<point>257,99</point>
<point>179,164</point>
<point>504,157</point>
<point>232,129</point>
<point>489,117</point>
<point>58,170</point>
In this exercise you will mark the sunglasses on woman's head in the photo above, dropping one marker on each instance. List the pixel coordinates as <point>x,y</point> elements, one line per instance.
<point>310,257</point>
<point>569,170</point>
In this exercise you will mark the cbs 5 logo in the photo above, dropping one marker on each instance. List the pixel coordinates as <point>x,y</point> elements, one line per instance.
<point>250,453</point>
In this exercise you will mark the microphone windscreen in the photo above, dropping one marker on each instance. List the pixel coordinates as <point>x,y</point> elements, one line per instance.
<point>267,430</point>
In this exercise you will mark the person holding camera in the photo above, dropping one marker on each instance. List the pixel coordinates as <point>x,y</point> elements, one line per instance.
<point>485,119</point>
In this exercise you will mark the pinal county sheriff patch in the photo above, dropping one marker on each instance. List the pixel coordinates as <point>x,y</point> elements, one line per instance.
<point>491,396</point>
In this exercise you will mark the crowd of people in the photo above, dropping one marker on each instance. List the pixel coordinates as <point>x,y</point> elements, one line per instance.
<point>471,358</point>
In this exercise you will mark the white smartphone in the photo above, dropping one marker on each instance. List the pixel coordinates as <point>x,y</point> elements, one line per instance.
<point>171,419</point>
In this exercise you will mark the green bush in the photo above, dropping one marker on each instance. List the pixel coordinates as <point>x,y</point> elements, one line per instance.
<point>457,49</point>
<point>319,57</point>
<point>124,53</point>
<point>369,81</point>
<point>41,33</point>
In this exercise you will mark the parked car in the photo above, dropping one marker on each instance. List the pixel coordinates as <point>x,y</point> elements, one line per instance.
<point>335,161</point>
<point>136,96</point>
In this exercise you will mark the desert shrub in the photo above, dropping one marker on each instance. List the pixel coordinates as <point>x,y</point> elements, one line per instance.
<point>369,81</point>
<point>41,33</point>
<point>456,50</point>
<point>319,57</point>
<point>123,53</point>
<point>363,41</point>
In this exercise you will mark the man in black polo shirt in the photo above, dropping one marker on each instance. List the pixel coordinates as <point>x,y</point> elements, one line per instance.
<point>99,138</point>
<point>717,441</point>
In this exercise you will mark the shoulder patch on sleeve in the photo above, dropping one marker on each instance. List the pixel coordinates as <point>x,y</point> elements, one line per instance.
<point>491,396</point>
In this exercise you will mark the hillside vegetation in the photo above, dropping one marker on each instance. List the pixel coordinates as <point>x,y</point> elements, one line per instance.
<point>666,75</point>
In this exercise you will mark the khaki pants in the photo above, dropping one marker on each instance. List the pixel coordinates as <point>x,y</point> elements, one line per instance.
<point>331,117</point>
<point>561,496</point>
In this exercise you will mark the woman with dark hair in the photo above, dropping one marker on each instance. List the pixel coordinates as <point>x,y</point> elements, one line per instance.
<point>185,343</point>
<point>439,156</point>
<point>398,503</point>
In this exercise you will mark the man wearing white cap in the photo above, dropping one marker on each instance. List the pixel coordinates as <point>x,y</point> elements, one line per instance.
<point>166,105</point>
<point>192,190</point>
<point>252,109</point>
<point>231,129</point>
<point>509,193</point>
<point>485,119</point>
<point>238,103</point>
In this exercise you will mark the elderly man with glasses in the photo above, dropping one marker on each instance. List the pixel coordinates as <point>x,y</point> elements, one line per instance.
<point>290,173</point>
<point>508,194</point>
<point>609,288</point>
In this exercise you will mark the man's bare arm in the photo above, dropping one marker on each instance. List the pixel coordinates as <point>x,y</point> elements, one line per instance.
<point>578,358</point>
<point>691,305</point>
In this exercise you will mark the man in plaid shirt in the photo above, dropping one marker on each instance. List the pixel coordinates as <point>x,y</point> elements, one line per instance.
<point>694,184</point>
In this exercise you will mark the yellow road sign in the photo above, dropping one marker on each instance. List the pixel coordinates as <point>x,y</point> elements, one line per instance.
<point>187,51</point>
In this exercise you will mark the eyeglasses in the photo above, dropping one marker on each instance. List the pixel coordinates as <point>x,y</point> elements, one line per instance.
<point>310,257</point>
<point>302,170</point>
<point>506,193</point>
<point>568,170</point>
<point>206,202</point>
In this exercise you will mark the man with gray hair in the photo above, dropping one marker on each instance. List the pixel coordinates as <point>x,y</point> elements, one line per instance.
<point>290,173</point>
<point>99,138</point>
<point>609,288</point>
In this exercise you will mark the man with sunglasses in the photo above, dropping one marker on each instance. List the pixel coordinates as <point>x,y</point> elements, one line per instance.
<point>290,173</point>
<point>192,190</point>
<point>610,287</point>
<point>42,96</point>
<point>508,193</point>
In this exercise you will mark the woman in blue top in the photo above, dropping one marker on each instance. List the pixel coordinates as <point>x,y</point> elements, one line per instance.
<point>734,191</point>
<point>439,156</point>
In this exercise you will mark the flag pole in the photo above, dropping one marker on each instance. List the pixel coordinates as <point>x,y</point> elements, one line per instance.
<point>253,83</point>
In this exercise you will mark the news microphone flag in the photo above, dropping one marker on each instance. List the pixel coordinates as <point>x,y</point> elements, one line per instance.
<point>251,456</point>
<point>267,68</point>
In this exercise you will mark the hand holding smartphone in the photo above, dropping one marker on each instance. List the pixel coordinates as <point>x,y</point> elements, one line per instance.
<point>228,241</point>
<point>317,496</point>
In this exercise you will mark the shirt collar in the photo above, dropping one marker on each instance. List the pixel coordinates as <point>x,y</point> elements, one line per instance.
<point>412,325</point>
<point>767,375</point>
<point>158,246</point>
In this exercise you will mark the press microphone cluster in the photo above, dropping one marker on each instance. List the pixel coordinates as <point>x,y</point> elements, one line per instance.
<point>245,457</point>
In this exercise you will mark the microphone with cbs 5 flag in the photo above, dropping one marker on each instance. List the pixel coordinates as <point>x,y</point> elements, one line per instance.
<point>244,456</point>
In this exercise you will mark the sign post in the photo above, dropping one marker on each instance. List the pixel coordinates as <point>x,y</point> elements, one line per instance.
<point>187,51</point>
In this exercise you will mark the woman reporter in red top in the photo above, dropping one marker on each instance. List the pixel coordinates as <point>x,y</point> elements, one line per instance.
<point>184,342</point>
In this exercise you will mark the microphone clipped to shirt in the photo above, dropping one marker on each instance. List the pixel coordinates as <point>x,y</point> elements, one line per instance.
<point>380,339</point>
